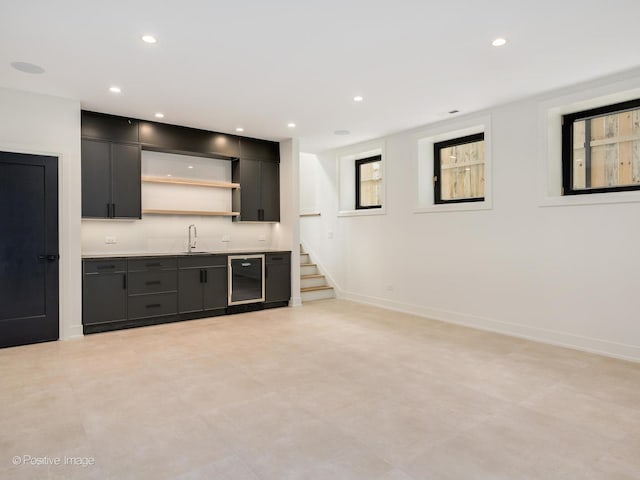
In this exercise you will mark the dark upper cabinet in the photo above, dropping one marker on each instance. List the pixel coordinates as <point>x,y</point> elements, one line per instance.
<point>125,181</point>
<point>258,198</point>
<point>263,150</point>
<point>104,292</point>
<point>270,191</point>
<point>278,277</point>
<point>109,127</point>
<point>96,178</point>
<point>110,179</point>
<point>189,141</point>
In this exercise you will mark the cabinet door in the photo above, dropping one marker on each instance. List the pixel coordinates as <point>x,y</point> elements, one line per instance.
<point>215,288</point>
<point>277,282</point>
<point>250,190</point>
<point>96,178</point>
<point>270,191</point>
<point>125,176</point>
<point>190,290</point>
<point>104,298</point>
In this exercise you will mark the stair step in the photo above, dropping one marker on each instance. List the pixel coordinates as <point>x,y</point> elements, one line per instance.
<point>315,275</point>
<point>308,265</point>
<point>313,289</point>
<point>314,295</point>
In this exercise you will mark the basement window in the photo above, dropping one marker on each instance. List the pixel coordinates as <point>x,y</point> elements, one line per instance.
<point>368,183</point>
<point>601,149</point>
<point>459,169</point>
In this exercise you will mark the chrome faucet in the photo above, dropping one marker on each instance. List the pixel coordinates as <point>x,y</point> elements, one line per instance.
<point>194,239</point>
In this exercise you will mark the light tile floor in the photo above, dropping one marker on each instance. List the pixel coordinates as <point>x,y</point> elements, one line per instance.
<point>333,390</point>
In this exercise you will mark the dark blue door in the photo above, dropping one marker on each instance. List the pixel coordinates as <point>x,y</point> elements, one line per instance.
<point>28,249</point>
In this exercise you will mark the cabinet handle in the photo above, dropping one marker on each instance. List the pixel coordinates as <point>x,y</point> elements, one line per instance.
<point>106,267</point>
<point>124,281</point>
<point>108,210</point>
<point>246,264</point>
<point>201,276</point>
<point>276,258</point>
<point>113,209</point>
<point>154,305</point>
<point>153,282</point>
<point>266,271</point>
<point>206,276</point>
<point>154,264</point>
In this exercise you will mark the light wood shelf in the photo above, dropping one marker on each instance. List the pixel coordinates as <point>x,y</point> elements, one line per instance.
<point>193,183</point>
<point>191,212</point>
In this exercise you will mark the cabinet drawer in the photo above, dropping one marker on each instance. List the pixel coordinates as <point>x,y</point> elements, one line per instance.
<point>104,266</point>
<point>153,305</point>
<point>153,263</point>
<point>153,282</point>
<point>203,261</point>
<point>284,257</point>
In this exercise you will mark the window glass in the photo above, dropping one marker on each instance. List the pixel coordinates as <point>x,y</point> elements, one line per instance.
<point>368,183</point>
<point>602,149</point>
<point>459,169</point>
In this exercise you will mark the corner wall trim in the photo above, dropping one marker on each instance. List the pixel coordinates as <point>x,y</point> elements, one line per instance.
<point>562,339</point>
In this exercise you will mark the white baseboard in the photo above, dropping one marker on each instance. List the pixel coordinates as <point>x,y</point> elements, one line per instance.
<point>295,302</point>
<point>562,339</point>
<point>74,331</point>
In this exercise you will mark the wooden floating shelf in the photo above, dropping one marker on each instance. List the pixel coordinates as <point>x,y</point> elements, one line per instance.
<point>191,212</point>
<point>193,183</point>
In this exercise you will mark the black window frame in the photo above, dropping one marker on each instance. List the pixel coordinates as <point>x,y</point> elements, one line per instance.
<point>567,147</point>
<point>437,184</point>
<point>358,163</point>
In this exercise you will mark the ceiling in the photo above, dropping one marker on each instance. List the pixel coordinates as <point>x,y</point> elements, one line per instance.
<point>260,65</point>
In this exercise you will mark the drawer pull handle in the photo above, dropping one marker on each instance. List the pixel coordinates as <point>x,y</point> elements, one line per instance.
<point>246,264</point>
<point>154,305</point>
<point>154,264</point>
<point>154,282</point>
<point>106,267</point>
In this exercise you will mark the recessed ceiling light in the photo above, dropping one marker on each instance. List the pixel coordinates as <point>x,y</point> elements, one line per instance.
<point>291,125</point>
<point>239,129</point>
<point>114,89</point>
<point>358,98</point>
<point>190,166</point>
<point>25,67</point>
<point>499,42</point>
<point>149,39</point>
<point>168,174</point>
<point>159,115</point>
<point>341,132</point>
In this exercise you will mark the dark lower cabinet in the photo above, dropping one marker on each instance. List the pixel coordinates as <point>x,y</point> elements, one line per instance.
<point>202,283</point>
<point>130,292</point>
<point>110,179</point>
<point>215,288</point>
<point>104,292</point>
<point>278,277</point>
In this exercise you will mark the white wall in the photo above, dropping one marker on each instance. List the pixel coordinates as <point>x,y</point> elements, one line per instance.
<point>287,232</point>
<point>39,124</point>
<point>308,183</point>
<point>564,274</point>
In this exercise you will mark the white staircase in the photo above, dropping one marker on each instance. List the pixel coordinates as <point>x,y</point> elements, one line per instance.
<point>313,285</point>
